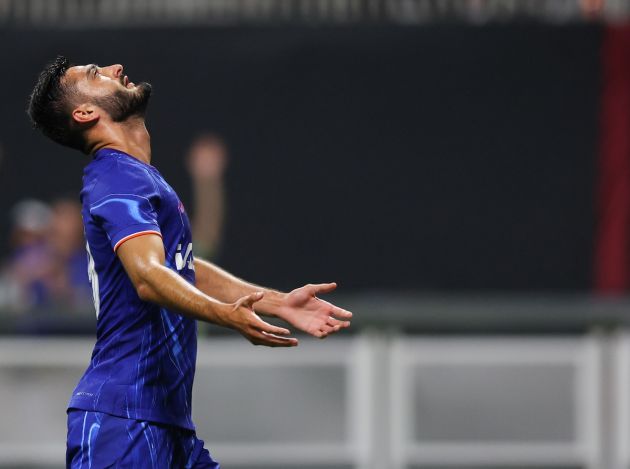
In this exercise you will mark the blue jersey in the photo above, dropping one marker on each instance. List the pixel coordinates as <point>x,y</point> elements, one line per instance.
<point>143,362</point>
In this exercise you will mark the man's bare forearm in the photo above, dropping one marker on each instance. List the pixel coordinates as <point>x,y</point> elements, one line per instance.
<point>301,307</point>
<point>143,260</point>
<point>220,284</point>
<point>159,284</point>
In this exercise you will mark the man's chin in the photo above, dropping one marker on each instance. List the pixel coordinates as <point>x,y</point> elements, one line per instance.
<point>139,109</point>
<point>144,88</point>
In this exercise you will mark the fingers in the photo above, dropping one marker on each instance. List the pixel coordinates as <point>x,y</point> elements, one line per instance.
<point>324,330</point>
<point>327,330</point>
<point>337,323</point>
<point>340,313</point>
<point>336,310</point>
<point>324,287</point>
<point>249,300</point>
<point>267,328</point>
<point>271,340</point>
<point>260,332</point>
<point>331,326</point>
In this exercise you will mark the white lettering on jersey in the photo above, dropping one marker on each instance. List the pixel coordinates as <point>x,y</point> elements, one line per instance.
<point>93,276</point>
<point>185,260</point>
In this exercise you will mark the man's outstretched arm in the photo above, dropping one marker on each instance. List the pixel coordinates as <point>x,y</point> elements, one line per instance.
<point>143,259</point>
<point>301,307</point>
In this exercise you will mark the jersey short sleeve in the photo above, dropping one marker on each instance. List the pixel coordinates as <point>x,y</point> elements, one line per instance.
<point>126,208</point>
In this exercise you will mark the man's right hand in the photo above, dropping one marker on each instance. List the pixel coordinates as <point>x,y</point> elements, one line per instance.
<point>143,259</point>
<point>244,319</point>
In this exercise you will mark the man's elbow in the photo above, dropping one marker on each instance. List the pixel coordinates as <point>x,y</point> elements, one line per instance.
<point>145,292</point>
<point>145,284</point>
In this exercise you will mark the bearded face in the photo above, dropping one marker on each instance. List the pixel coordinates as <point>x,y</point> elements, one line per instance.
<point>67,100</point>
<point>110,89</point>
<point>124,103</point>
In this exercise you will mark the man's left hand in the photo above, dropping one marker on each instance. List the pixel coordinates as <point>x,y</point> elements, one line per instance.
<point>302,309</point>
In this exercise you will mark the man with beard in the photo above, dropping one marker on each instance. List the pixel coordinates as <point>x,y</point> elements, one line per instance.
<point>132,407</point>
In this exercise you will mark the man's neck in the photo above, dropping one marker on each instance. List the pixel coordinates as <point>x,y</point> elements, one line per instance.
<point>131,137</point>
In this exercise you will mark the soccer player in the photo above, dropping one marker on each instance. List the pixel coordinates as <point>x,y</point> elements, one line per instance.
<point>132,407</point>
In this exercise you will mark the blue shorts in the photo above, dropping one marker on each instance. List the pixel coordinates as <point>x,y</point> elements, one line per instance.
<point>97,441</point>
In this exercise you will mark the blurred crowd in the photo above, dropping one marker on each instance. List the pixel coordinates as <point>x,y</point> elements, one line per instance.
<point>46,268</point>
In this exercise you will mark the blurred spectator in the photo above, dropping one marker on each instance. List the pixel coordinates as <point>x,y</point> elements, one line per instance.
<point>28,267</point>
<point>47,267</point>
<point>206,162</point>
<point>70,286</point>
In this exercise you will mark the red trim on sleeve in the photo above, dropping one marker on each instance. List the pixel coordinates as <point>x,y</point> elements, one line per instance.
<point>135,235</point>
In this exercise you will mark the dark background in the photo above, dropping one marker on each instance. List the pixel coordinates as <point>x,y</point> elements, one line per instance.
<point>442,158</point>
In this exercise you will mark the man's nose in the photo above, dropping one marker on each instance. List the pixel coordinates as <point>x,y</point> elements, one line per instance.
<point>115,70</point>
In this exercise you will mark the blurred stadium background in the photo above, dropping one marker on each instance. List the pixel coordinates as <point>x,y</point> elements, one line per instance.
<point>460,167</point>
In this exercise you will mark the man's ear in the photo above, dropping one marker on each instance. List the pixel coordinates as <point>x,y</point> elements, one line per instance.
<point>85,114</point>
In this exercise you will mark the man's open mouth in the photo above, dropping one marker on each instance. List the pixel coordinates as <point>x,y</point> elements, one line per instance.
<point>127,83</point>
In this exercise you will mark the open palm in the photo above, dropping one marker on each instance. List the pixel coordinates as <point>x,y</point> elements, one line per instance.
<point>308,313</point>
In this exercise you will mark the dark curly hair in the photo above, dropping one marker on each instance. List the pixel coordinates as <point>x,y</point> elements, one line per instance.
<point>50,105</point>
